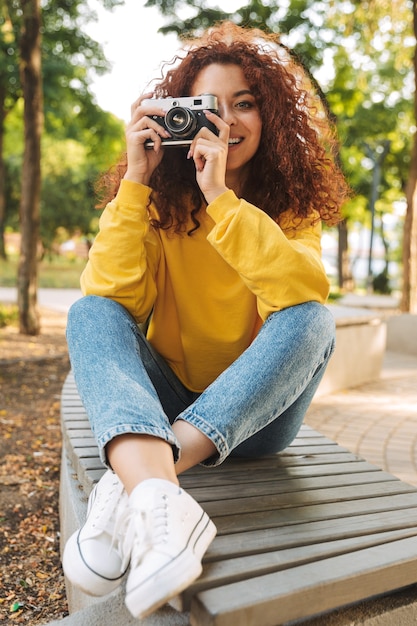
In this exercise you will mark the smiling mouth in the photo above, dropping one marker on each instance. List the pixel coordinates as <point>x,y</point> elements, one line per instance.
<point>235,140</point>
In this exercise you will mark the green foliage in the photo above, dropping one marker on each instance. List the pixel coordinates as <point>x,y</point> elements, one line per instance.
<point>70,168</point>
<point>381,283</point>
<point>334,296</point>
<point>80,140</point>
<point>66,198</point>
<point>9,65</point>
<point>9,315</point>
<point>68,55</point>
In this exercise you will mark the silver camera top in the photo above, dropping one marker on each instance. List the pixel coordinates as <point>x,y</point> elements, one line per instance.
<point>193,103</point>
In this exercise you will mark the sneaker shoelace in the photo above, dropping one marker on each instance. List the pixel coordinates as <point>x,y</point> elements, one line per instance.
<point>142,530</point>
<point>106,508</point>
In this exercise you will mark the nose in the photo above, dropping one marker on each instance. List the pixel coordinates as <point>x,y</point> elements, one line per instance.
<point>227,114</point>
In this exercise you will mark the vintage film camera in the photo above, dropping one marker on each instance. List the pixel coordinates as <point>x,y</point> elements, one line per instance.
<point>183,118</point>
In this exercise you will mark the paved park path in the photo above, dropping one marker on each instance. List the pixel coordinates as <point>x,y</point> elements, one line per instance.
<point>56,299</point>
<point>377,420</point>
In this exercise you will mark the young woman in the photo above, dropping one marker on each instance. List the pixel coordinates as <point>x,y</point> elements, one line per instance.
<point>218,246</point>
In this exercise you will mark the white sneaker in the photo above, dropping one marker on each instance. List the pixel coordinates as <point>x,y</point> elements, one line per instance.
<point>170,534</point>
<point>93,558</point>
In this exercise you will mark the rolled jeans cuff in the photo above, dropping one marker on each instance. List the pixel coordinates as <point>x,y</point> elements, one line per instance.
<point>129,429</point>
<point>213,434</point>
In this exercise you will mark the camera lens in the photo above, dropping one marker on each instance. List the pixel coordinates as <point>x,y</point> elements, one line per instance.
<point>180,121</point>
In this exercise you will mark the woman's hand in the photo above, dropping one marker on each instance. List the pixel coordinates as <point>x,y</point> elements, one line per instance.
<point>209,153</point>
<point>142,161</point>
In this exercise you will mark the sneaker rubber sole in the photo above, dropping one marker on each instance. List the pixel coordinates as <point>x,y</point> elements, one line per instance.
<point>159,587</point>
<point>81,575</point>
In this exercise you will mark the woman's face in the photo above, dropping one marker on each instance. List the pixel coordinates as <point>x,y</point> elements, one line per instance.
<point>237,107</point>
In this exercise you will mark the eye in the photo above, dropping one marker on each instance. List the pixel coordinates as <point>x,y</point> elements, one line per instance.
<point>245,104</point>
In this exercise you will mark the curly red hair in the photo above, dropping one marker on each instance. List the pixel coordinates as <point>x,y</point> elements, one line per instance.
<point>294,166</point>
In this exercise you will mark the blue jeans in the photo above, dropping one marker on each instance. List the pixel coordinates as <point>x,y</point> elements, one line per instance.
<point>254,408</point>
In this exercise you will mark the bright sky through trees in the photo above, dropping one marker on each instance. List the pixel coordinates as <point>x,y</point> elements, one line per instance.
<point>131,43</point>
<point>135,49</point>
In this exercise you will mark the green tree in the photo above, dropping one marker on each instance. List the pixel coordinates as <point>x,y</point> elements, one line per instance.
<point>9,92</point>
<point>370,96</point>
<point>70,169</point>
<point>69,56</point>
<point>31,79</point>
<point>71,164</point>
<point>20,28</point>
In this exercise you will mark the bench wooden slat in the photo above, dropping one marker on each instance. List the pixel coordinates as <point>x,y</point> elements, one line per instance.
<point>90,464</point>
<point>78,433</point>
<point>303,451</point>
<point>308,589</point>
<point>83,442</point>
<point>226,476</point>
<point>307,431</point>
<point>303,440</point>
<point>87,455</point>
<point>280,501</point>
<point>75,424</point>
<point>79,411</point>
<point>225,492</point>
<point>256,520</point>
<point>264,540</point>
<point>224,572</point>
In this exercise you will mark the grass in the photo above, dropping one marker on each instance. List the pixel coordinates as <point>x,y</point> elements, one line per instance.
<point>55,272</point>
<point>9,315</point>
<point>334,295</point>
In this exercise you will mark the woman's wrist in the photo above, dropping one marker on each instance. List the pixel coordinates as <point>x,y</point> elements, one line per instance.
<point>136,177</point>
<point>211,195</point>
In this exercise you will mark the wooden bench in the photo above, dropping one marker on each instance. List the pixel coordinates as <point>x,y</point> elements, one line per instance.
<point>302,533</point>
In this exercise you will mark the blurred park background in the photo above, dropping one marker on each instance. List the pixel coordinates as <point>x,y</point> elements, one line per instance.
<point>56,138</point>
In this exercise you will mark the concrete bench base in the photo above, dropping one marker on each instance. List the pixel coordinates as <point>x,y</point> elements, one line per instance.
<point>360,348</point>
<point>402,334</point>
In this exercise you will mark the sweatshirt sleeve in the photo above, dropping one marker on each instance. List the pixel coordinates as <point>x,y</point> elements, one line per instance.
<point>124,256</point>
<point>281,265</point>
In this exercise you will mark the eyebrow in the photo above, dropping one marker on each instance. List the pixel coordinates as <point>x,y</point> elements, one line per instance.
<point>242,92</point>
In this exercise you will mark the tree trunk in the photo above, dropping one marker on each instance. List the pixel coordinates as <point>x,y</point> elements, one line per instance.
<point>31,79</point>
<point>2,175</point>
<point>409,293</point>
<point>343,264</point>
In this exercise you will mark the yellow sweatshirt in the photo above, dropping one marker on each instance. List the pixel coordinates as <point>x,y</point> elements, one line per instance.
<point>210,292</point>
